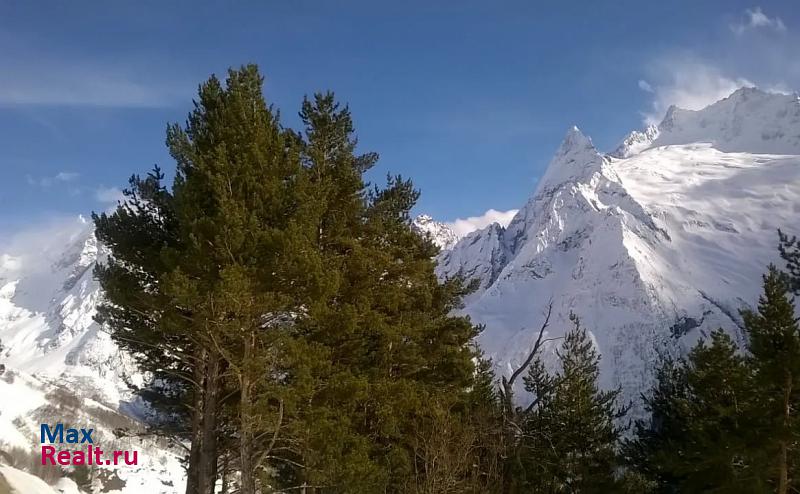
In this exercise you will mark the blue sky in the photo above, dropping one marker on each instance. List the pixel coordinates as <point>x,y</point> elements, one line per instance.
<point>468,98</point>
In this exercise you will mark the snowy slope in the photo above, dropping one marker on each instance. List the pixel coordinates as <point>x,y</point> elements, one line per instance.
<point>21,482</point>
<point>52,349</point>
<point>29,402</point>
<point>653,249</point>
<point>47,302</point>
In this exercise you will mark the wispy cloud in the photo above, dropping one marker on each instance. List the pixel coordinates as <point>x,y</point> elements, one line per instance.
<point>36,75</point>
<point>693,77</point>
<point>687,83</point>
<point>49,181</point>
<point>40,242</point>
<point>755,18</point>
<point>109,196</point>
<point>77,86</point>
<point>463,226</point>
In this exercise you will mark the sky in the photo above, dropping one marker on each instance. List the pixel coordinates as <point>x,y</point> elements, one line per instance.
<point>470,99</point>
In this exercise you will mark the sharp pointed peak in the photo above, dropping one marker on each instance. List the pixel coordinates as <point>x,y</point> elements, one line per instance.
<point>575,141</point>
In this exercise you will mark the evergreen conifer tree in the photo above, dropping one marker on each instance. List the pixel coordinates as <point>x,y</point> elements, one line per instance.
<point>484,415</point>
<point>660,434</point>
<point>790,252</point>
<point>197,274</point>
<point>700,436</point>
<point>569,433</point>
<point>775,350</point>
<point>724,422</point>
<point>584,434</point>
<point>287,311</point>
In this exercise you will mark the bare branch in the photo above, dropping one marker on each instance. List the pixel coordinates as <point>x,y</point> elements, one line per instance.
<point>536,346</point>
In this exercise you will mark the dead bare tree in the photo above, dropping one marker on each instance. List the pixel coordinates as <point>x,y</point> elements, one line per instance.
<point>513,415</point>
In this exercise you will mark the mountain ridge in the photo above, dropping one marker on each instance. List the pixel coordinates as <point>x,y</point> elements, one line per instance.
<point>652,247</point>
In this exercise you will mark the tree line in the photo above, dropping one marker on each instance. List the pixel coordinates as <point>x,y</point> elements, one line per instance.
<point>294,338</point>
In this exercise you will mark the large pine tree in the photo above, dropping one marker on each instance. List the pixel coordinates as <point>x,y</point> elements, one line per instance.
<point>284,308</point>
<point>196,271</point>
<point>385,326</point>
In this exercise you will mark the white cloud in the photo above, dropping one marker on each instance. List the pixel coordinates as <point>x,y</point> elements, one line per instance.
<point>60,177</point>
<point>756,19</point>
<point>645,86</point>
<point>463,226</point>
<point>40,243</point>
<point>108,195</point>
<point>76,86</point>
<point>689,84</point>
<point>32,74</point>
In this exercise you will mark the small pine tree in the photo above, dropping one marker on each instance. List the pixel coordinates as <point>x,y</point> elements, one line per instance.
<point>571,432</point>
<point>700,435</point>
<point>484,414</point>
<point>659,435</point>
<point>775,349</point>
<point>790,252</point>
<point>532,462</point>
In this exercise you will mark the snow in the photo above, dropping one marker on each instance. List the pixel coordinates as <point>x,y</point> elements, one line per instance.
<point>636,142</point>
<point>440,233</point>
<point>25,483</point>
<point>159,470</point>
<point>652,248</point>
<point>749,120</point>
<point>48,298</point>
<point>19,399</point>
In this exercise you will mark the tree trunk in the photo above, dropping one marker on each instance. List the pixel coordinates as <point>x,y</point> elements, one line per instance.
<point>783,459</point>
<point>197,420</point>
<point>207,461</point>
<point>783,480</point>
<point>246,430</point>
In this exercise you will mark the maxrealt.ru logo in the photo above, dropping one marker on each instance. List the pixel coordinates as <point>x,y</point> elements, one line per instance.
<point>92,455</point>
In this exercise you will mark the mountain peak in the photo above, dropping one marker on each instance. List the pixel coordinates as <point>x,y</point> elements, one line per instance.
<point>746,92</point>
<point>748,120</point>
<point>624,242</point>
<point>636,141</point>
<point>575,142</point>
<point>440,233</point>
<point>575,158</point>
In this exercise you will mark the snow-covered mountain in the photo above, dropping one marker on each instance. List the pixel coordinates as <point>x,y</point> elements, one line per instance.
<point>47,301</point>
<point>440,233</point>
<point>653,246</point>
<point>61,367</point>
